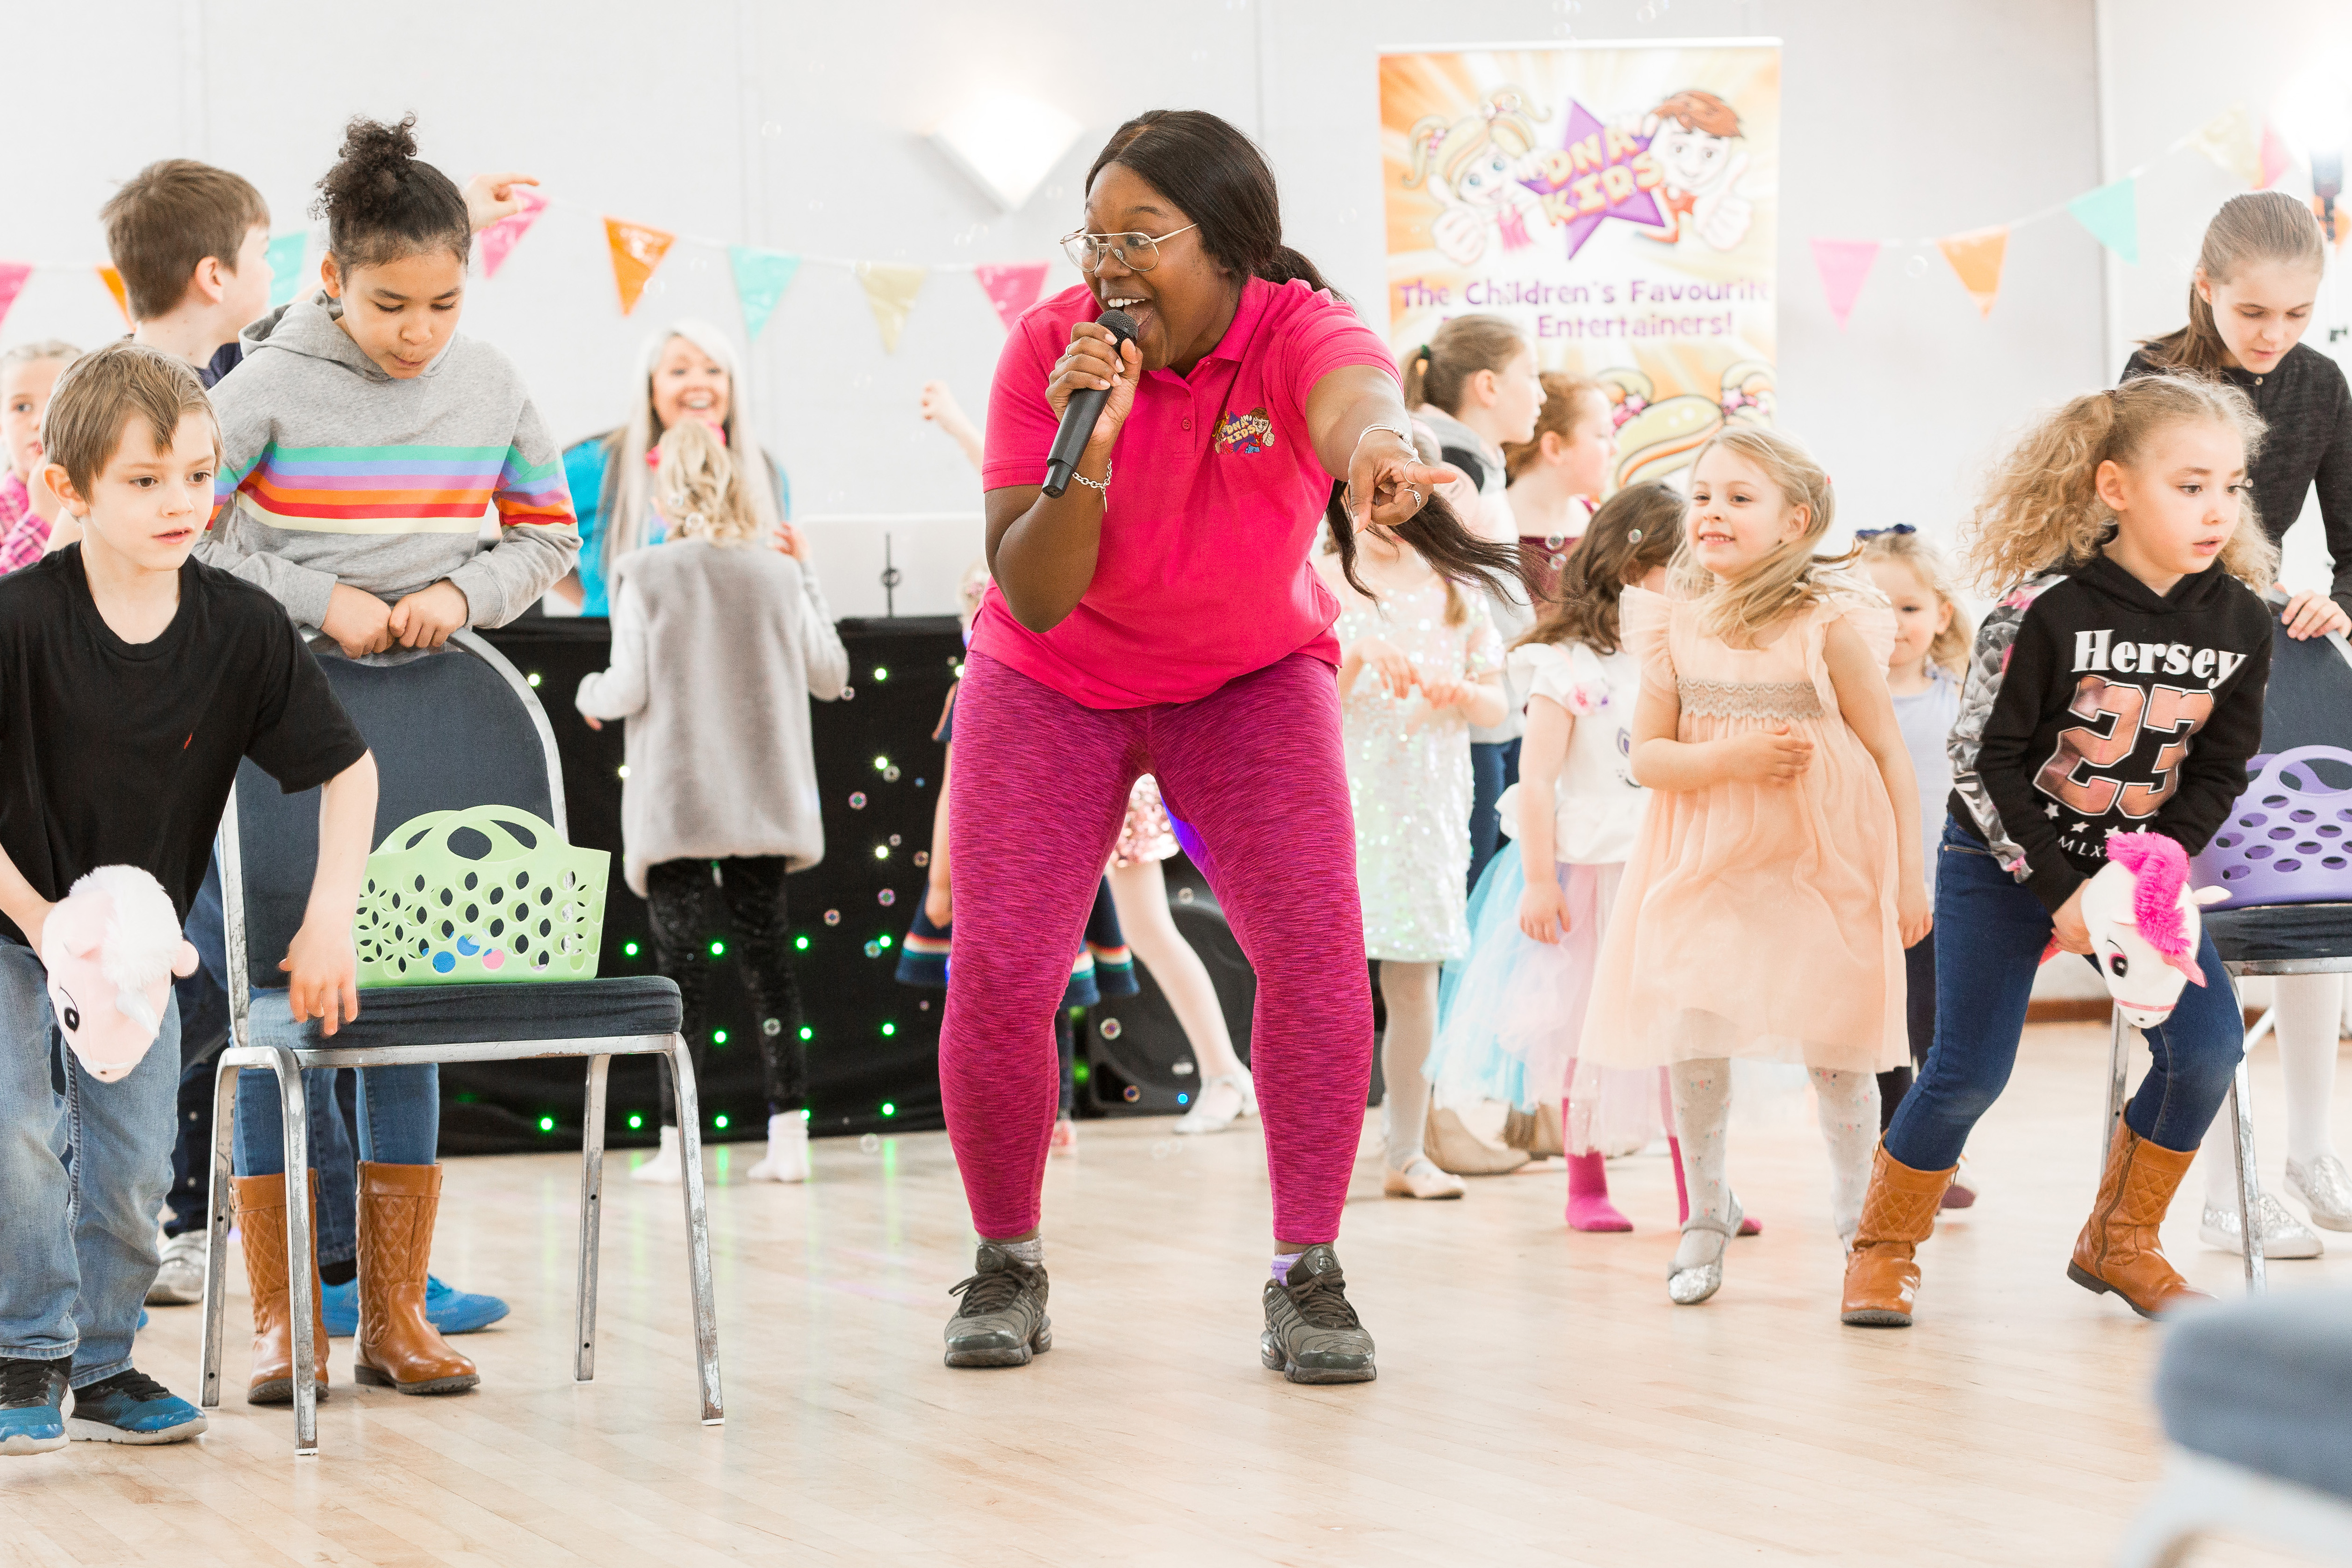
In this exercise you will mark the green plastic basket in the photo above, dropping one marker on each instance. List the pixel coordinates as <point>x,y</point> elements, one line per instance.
<point>507,900</point>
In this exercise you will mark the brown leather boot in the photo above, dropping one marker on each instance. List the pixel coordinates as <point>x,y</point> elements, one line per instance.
<point>398,1347</point>
<point>2119,1249</point>
<point>260,1204</point>
<point>1881,1275</point>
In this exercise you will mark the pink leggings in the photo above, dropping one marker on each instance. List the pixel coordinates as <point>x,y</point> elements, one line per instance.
<point>1038,795</point>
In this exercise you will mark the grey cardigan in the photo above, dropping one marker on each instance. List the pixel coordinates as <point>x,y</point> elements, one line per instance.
<point>716,652</point>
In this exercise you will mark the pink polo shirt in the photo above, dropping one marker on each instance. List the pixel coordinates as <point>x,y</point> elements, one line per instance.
<point>1214,498</point>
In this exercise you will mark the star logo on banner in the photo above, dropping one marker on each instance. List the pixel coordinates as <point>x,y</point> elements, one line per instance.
<point>1593,176</point>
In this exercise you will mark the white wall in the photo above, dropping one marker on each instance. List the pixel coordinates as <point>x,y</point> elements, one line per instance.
<point>802,127</point>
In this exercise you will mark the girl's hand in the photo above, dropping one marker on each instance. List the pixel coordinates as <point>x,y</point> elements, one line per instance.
<point>1395,672</point>
<point>490,198</point>
<point>1769,756</point>
<point>591,721</point>
<point>939,905</point>
<point>1915,916</point>
<point>2312,615</point>
<point>792,542</point>
<point>426,618</point>
<point>1445,693</point>
<point>321,969</point>
<point>2066,927</point>
<point>1096,360</point>
<point>1543,911</point>
<point>1387,481</point>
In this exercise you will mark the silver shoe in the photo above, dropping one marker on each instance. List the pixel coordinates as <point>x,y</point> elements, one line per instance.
<point>1689,1287</point>
<point>2326,1188</point>
<point>2283,1236</point>
<point>1199,1120</point>
<point>180,1279</point>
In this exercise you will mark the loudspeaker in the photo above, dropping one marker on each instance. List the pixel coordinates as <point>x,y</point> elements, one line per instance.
<point>1139,1062</point>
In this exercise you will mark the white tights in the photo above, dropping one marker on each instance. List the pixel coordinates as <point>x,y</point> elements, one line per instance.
<point>2310,1017</point>
<point>1140,892</point>
<point>1848,1102</point>
<point>1409,992</point>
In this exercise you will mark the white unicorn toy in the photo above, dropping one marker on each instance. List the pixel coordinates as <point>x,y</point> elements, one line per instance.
<point>2145,924</point>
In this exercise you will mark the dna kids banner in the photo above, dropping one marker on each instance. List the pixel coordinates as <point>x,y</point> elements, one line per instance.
<point>1619,202</point>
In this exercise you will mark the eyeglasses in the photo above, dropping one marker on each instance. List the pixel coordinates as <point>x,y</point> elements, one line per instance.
<point>1136,252</point>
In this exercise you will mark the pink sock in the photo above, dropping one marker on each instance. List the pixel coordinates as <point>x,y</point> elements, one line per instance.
<point>1748,1223</point>
<point>1588,1207</point>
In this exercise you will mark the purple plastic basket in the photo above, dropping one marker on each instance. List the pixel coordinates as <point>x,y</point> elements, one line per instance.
<point>2288,839</point>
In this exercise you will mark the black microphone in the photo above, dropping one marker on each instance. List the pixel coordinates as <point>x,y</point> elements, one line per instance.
<point>1085,407</point>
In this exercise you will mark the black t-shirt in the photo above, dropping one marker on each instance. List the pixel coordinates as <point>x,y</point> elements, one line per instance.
<point>113,753</point>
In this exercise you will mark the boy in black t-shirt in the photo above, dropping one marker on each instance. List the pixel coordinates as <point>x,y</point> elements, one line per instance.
<point>133,680</point>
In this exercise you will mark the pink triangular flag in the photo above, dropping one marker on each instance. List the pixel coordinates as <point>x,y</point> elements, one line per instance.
<point>1013,287</point>
<point>501,237</point>
<point>1843,264</point>
<point>12,283</point>
<point>2274,155</point>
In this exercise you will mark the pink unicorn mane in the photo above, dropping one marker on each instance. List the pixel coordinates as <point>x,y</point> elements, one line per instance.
<point>2159,870</point>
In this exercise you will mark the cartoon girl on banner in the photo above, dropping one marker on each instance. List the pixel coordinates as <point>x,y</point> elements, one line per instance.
<point>1475,166</point>
<point>1692,138</point>
<point>1657,437</point>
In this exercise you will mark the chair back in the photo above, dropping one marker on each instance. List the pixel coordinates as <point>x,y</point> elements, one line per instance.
<point>2309,702</point>
<point>2288,837</point>
<point>454,729</point>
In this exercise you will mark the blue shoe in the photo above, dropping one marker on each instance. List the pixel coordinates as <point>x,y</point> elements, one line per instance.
<point>132,1407</point>
<point>32,1405</point>
<point>455,1311</point>
<point>143,1319</point>
<point>340,1305</point>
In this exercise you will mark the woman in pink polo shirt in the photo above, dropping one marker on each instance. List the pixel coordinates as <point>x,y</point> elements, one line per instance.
<point>1161,616</point>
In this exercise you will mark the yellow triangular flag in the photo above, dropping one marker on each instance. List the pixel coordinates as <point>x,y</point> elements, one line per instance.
<point>2232,140</point>
<point>114,281</point>
<point>637,251</point>
<point>891,288</point>
<point>1977,257</point>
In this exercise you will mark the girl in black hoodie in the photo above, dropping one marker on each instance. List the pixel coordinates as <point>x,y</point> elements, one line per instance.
<point>2118,684</point>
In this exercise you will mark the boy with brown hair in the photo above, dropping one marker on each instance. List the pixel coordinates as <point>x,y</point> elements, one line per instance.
<point>192,243</point>
<point>132,681</point>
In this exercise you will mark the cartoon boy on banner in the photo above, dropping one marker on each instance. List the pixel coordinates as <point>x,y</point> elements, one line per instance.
<point>1692,138</point>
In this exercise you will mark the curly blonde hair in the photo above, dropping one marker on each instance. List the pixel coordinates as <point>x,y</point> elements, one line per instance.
<point>1926,563</point>
<point>1741,609</point>
<point>698,491</point>
<point>2041,509</point>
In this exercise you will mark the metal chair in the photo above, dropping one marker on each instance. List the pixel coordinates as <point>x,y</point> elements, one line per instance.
<point>456,729</point>
<point>2307,703</point>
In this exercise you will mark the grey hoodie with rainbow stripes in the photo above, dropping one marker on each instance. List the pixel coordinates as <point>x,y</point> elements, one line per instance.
<point>332,471</point>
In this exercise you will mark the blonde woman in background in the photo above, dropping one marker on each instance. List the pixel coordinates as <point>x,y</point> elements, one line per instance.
<point>719,643</point>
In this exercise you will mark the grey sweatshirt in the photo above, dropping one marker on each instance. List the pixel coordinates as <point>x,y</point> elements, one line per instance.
<point>716,653</point>
<point>332,471</point>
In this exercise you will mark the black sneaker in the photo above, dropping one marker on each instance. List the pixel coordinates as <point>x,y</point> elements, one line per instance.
<point>1311,1333</point>
<point>1002,1320</point>
<point>32,1405</point>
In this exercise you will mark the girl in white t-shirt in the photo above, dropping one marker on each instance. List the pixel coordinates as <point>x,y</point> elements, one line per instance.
<point>1513,1011</point>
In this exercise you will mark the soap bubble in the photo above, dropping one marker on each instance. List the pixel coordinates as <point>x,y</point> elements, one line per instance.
<point>857,801</point>
<point>1183,895</point>
<point>1130,1094</point>
<point>1160,1151</point>
<point>1554,540</point>
<point>922,856</point>
<point>894,841</point>
<point>848,692</point>
<point>1915,268</point>
<point>1557,562</point>
<point>887,898</point>
<point>873,950</point>
<point>890,775</point>
<point>1110,1028</point>
<point>833,917</point>
<point>870,1144</point>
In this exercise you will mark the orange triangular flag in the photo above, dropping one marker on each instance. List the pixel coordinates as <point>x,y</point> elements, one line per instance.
<point>114,281</point>
<point>637,251</point>
<point>1977,257</point>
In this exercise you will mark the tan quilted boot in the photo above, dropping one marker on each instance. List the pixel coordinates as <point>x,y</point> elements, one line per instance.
<point>2119,1249</point>
<point>260,1204</point>
<point>399,1348</point>
<point>1882,1274</point>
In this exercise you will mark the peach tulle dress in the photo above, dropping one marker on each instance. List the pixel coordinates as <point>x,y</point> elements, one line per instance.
<point>1756,920</point>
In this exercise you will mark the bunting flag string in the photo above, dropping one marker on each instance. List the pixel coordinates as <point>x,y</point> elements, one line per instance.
<point>1012,287</point>
<point>114,281</point>
<point>285,253</point>
<point>2234,139</point>
<point>637,250</point>
<point>890,289</point>
<point>761,279</point>
<point>500,238</point>
<point>12,283</point>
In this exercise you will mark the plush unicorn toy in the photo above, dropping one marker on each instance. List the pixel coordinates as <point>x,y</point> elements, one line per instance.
<point>111,946</point>
<point>2145,925</point>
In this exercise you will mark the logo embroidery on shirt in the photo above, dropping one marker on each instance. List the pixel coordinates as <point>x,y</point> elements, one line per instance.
<point>1247,433</point>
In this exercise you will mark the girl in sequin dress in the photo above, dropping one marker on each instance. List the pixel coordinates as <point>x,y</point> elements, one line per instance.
<point>1777,877</point>
<point>1420,665</point>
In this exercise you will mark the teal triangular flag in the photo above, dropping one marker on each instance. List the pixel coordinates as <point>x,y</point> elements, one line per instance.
<point>761,279</point>
<point>2111,215</point>
<point>285,254</point>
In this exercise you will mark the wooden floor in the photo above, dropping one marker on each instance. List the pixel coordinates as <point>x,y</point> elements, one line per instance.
<point>1539,1400</point>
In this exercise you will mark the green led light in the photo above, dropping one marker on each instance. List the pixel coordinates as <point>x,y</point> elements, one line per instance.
<point>807,1033</point>
<point>718,950</point>
<point>720,1121</point>
<point>800,942</point>
<point>890,1028</point>
<point>534,678</point>
<point>883,939</point>
<point>635,1121</point>
<point>881,765</point>
<point>718,1037</point>
<point>881,852</point>
<point>624,769</point>
<point>547,1124</point>
<point>630,947</point>
<point>889,1108</point>
<point>880,673</point>
<point>1078,1072</point>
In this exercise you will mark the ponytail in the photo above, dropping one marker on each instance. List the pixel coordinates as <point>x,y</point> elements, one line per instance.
<point>1437,535</point>
<point>1438,373</point>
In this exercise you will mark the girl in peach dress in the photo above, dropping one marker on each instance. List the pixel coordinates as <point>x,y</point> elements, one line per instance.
<point>1777,877</point>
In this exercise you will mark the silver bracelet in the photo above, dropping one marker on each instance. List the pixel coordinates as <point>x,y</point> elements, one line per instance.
<point>1101,487</point>
<point>1403,435</point>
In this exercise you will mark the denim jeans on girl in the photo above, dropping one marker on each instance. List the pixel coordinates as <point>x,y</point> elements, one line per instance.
<point>76,1241</point>
<point>1989,933</point>
<point>399,1124</point>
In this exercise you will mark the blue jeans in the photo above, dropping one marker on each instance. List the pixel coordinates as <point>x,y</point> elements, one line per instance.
<point>203,1029</point>
<point>1493,767</point>
<point>1989,933</point>
<point>399,1124</point>
<point>77,1242</point>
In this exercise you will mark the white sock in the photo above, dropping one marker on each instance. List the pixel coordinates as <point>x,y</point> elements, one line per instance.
<point>1282,1263</point>
<point>1410,994</point>
<point>2310,1017</point>
<point>1031,1252</point>
<point>1848,1103</point>
<point>1702,1103</point>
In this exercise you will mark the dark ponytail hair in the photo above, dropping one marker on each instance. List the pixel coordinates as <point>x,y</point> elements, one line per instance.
<point>382,204</point>
<point>1218,178</point>
<point>1435,533</point>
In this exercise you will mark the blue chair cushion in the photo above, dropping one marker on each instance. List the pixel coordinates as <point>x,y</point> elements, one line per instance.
<point>2266,1384</point>
<point>468,1014</point>
<point>2267,933</point>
